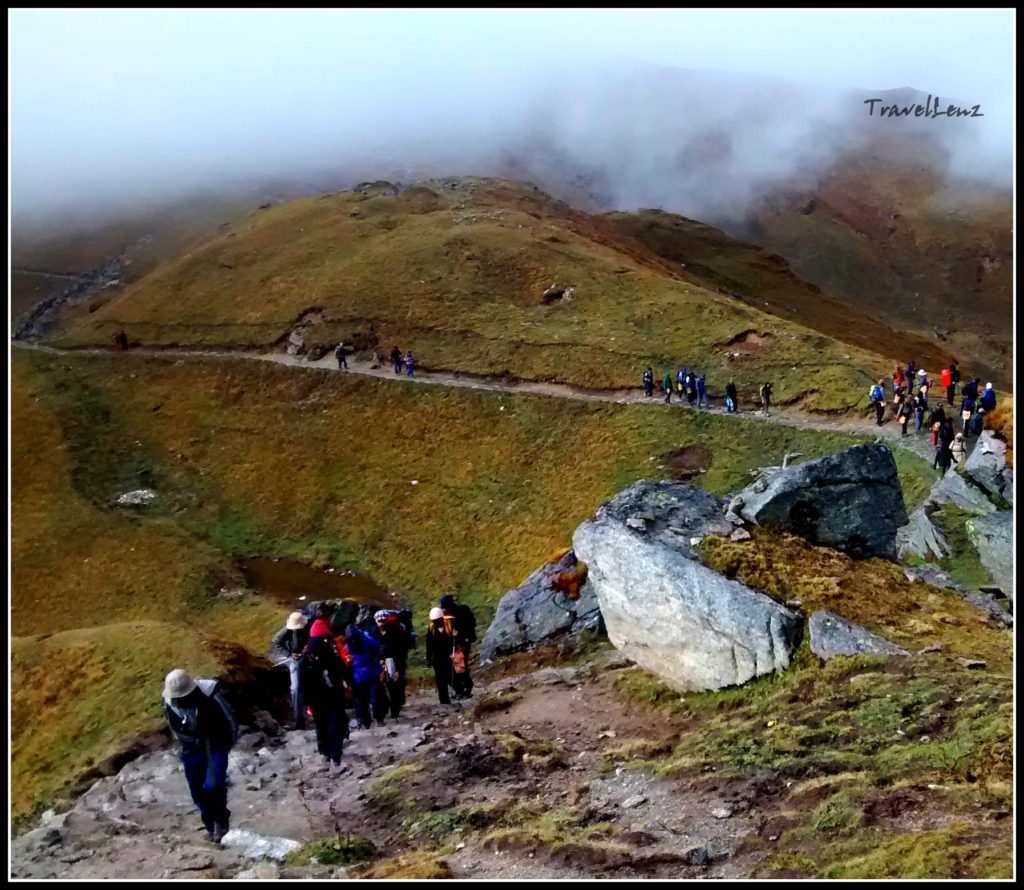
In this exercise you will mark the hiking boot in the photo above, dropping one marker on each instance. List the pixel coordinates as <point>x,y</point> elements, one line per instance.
<point>219,831</point>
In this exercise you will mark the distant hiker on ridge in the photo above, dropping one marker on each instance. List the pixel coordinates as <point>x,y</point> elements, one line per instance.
<point>339,354</point>
<point>396,359</point>
<point>730,397</point>
<point>648,379</point>
<point>765,392</point>
<point>877,395</point>
<point>702,393</point>
<point>409,361</point>
<point>205,727</point>
<point>666,384</point>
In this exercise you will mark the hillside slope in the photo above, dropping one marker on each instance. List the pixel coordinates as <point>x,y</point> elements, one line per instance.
<point>457,270</point>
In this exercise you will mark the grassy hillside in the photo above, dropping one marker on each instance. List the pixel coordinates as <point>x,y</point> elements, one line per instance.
<point>253,459</point>
<point>457,271</point>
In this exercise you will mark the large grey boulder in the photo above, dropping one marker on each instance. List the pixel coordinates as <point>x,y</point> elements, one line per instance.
<point>992,536</point>
<point>986,466</point>
<point>535,612</point>
<point>831,635</point>
<point>667,611</point>
<point>850,500</point>
<point>954,489</point>
<point>921,537</point>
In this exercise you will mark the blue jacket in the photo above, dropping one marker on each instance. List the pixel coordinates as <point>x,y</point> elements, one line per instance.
<point>366,655</point>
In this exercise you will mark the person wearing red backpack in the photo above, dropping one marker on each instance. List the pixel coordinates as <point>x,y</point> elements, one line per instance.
<point>396,639</point>
<point>463,636</point>
<point>439,652</point>
<point>324,677</point>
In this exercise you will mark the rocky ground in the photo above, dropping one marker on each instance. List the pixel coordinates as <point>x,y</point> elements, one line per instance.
<point>542,745</point>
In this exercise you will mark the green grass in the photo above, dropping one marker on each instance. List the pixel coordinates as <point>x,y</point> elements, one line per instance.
<point>338,850</point>
<point>963,562</point>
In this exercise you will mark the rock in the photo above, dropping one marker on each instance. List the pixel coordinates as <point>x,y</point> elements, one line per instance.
<point>850,500</point>
<point>254,846</point>
<point>972,664</point>
<point>536,612</point>
<point>931,647</point>
<point>704,854</point>
<point>986,466</point>
<point>741,534</point>
<point>633,802</point>
<point>953,489</point>
<point>988,603</point>
<point>138,498</point>
<point>929,573</point>
<point>992,535</point>
<point>721,812</point>
<point>832,636</point>
<point>667,611</point>
<point>921,537</point>
<point>262,871</point>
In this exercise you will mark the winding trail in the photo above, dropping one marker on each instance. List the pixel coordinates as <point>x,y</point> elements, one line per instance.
<point>889,433</point>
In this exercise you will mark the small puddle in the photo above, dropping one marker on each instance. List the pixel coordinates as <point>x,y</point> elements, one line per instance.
<point>294,584</point>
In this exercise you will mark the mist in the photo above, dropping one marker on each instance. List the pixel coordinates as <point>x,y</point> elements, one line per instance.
<point>694,112</point>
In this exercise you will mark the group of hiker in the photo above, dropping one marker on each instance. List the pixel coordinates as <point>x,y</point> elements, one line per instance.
<point>911,387</point>
<point>398,361</point>
<point>693,387</point>
<point>338,656</point>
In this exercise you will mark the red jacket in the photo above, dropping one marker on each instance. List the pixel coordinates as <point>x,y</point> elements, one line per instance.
<point>946,377</point>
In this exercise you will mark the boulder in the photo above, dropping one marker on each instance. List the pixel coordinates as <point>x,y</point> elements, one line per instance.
<point>138,498</point>
<point>831,636</point>
<point>953,489</point>
<point>850,500</point>
<point>667,611</point>
<point>921,537</point>
<point>536,612</point>
<point>992,535</point>
<point>986,466</point>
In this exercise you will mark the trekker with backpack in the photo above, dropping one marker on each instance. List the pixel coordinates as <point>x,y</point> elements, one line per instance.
<point>369,693</point>
<point>409,362</point>
<point>920,405</point>
<point>680,381</point>
<point>666,384</point>
<point>959,449</point>
<point>905,412</point>
<point>205,728</point>
<point>339,354</point>
<point>943,458</point>
<point>702,393</point>
<point>765,392</point>
<point>730,397</point>
<point>324,677</point>
<point>439,653</point>
<point>463,638</point>
<point>988,399</point>
<point>690,383</point>
<point>877,396</point>
<point>396,359</point>
<point>286,648</point>
<point>396,639</point>
<point>967,406</point>
<point>977,423</point>
<point>648,379</point>
<point>935,420</point>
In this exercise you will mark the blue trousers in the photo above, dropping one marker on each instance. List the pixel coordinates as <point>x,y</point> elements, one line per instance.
<point>368,698</point>
<point>207,775</point>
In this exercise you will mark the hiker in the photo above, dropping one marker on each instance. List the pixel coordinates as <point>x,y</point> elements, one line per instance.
<point>906,411</point>
<point>943,458</point>
<point>286,648</point>
<point>324,676</point>
<point>691,388</point>
<point>408,364</point>
<point>897,400</point>
<point>649,382</point>
<point>666,384</point>
<point>702,393</point>
<point>935,420</point>
<point>730,397</point>
<point>967,406</point>
<point>971,388</point>
<point>395,637</point>
<point>977,423</point>
<point>680,380</point>
<point>765,392</point>
<point>897,378</point>
<point>924,382</point>
<point>988,399</point>
<point>439,654</point>
<point>920,404</point>
<point>205,727</point>
<point>959,449</point>
<point>369,695</point>
<point>463,637</point>
<point>396,359</point>
<point>339,354</point>
<point>877,396</point>
<point>910,374</point>
<point>120,341</point>
<point>946,432</point>
<point>950,383</point>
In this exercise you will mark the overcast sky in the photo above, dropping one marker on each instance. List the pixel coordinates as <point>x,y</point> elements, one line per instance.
<point>104,103</point>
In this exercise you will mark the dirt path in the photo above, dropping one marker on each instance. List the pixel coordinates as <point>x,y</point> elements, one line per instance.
<point>553,752</point>
<point>783,416</point>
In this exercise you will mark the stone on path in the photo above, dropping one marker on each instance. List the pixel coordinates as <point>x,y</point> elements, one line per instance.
<point>832,636</point>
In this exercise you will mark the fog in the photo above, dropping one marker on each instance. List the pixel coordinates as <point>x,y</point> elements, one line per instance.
<point>695,112</point>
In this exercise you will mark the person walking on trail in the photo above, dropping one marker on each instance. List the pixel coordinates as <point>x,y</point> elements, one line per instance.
<point>897,378</point>
<point>339,354</point>
<point>967,406</point>
<point>765,392</point>
<point>409,362</point>
<point>988,399</point>
<point>971,388</point>
<point>910,375</point>
<point>935,420</point>
<point>463,637</point>
<point>924,382</point>
<point>680,382</point>
<point>369,694</point>
<point>666,384</point>
<point>977,423</point>
<point>730,397</point>
<point>205,728</point>
<point>877,397</point>
<point>396,360</point>
<point>958,449</point>
<point>649,382</point>
<point>286,648</point>
<point>905,412</point>
<point>948,379</point>
<point>920,404</point>
<point>396,638</point>
<point>943,458</point>
<point>702,393</point>
<point>439,647</point>
<point>691,389</point>
<point>324,676</point>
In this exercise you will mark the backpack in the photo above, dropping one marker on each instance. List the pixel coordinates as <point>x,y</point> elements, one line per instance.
<point>876,393</point>
<point>211,689</point>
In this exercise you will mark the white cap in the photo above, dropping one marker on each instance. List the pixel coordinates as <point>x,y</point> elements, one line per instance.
<point>436,613</point>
